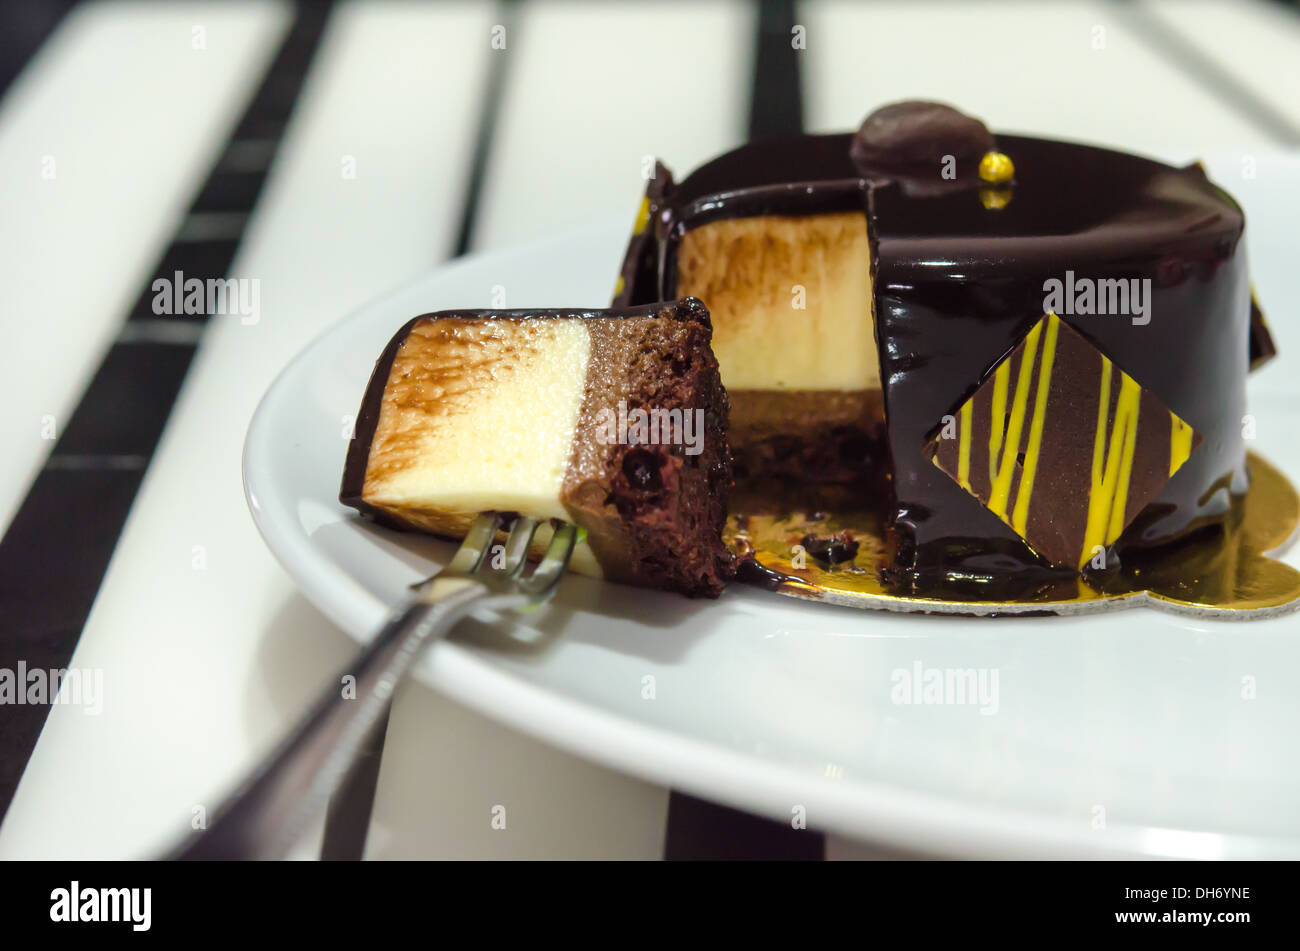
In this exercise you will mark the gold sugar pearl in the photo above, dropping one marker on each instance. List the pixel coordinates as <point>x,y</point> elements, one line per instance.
<point>996,168</point>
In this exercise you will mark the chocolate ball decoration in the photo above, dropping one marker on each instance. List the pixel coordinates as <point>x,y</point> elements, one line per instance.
<point>912,134</point>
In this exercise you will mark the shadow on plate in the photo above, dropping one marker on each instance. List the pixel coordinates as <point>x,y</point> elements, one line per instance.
<point>412,556</point>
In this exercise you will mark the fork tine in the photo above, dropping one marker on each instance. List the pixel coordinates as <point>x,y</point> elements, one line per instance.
<point>554,563</point>
<point>475,547</point>
<point>517,545</point>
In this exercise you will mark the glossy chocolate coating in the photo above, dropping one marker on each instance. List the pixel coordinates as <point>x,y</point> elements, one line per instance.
<point>958,284</point>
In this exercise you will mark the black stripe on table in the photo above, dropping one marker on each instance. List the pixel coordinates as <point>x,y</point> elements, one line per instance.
<point>488,120</point>
<point>53,557</point>
<point>776,102</point>
<point>704,831</point>
<point>697,829</point>
<point>24,27</point>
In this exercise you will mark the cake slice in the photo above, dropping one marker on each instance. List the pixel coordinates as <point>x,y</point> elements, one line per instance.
<point>615,420</point>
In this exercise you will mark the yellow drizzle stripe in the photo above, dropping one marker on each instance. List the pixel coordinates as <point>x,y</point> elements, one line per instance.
<point>1108,495</point>
<point>1180,443</point>
<point>642,215</point>
<point>997,420</point>
<point>1007,457</point>
<point>963,446</point>
<point>1020,516</point>
<point>1092,533</point>
<point>1130,395</point>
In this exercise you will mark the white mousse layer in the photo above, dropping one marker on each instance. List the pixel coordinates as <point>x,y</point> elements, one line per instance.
<point>479,416</point>
<point>790,300</point>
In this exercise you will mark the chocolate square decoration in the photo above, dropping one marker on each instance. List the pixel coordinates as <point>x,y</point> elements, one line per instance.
<point>1062,445</point>
<point>639,274</point>
<point>1262,348</point>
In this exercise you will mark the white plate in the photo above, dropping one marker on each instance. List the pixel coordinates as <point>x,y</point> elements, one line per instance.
<point>1134,733</point>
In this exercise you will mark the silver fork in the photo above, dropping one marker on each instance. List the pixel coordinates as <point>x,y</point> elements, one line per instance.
<point>270,810</point>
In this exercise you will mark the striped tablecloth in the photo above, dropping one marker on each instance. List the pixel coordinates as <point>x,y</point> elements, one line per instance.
<point>331,151</point>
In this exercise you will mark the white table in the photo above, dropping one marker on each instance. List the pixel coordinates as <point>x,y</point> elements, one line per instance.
<point>207,660</point>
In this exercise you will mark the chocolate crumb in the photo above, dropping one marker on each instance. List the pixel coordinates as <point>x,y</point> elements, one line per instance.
<point>832,549</point>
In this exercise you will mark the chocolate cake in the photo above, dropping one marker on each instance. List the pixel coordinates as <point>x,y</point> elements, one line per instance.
<point>1032,352</point>
<point>615,420</point>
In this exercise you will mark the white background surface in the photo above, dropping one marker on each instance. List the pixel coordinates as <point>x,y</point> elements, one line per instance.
<point>204,669</point>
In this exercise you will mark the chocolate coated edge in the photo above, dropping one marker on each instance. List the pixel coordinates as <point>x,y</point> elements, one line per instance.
<point>689,204</point>
<point>363,434</point>
<point>804,200</point>
<point>795,200</point>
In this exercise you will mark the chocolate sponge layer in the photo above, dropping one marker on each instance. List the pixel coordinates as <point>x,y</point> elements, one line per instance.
<point>654,503</point>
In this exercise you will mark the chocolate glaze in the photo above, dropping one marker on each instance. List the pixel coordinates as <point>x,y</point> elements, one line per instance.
<point>958,284</point>
<point>751,572</point>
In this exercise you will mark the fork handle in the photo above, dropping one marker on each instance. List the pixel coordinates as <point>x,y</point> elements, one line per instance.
<point>268,812</point>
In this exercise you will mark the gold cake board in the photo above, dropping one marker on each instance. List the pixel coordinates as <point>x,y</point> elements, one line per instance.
<point>1229,575</point>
